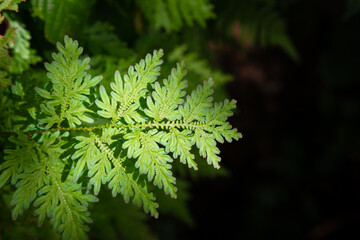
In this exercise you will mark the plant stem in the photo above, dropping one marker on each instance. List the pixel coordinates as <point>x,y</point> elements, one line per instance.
<point>164,125</point>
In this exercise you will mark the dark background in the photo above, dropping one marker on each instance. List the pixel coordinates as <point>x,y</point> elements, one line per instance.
<point>295,173</point>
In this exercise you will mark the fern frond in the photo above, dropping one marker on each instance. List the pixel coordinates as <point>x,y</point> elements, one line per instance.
<point>186,123</point>
<point>70,87</point>
<point>142,123</point>
<point>179,143</point>
<point>39,179</point>
<point>128,90</point>
<point>200,69</point>
<point>10,5</point>
<point>95,153</point>
<point>152,160</point>
<point>122,182</point>
<point>197,104</point>
<point>66,206</point>
<point>172,14</point>
<point>31,181</point>
<point>167,97</point>
<point>17,160</point>
<point>22,54</point>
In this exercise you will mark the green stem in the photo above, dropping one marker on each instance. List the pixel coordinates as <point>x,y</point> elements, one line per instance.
<point>163,125</point>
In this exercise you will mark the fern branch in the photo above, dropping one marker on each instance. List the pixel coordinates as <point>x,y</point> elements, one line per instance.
<point>40,179</point>
<point>127,91</point>
<point>120,181</point>
<point>46,163</point>
<point>152,159</point>
<point>70,86</point>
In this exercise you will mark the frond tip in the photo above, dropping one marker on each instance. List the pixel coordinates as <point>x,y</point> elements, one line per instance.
<point>70,87</point>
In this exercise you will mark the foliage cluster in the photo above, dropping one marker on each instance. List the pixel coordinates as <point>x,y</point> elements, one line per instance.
<point>143,119</point>
<point>71,136</point>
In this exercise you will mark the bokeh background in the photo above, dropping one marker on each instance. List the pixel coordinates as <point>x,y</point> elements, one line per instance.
<point>295,174</point>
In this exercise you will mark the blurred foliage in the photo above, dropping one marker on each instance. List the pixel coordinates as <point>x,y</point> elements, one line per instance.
<point>61,17</point>
<point>171,14</point>
<point>200,70</point>
<point>8,5</point>
<point>23,56</point>
<point>113,219</point>
<point>352,7</point>
<point>257,22</point>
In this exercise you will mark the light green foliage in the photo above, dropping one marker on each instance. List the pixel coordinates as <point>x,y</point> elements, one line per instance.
<point>59,161</point>
<point>34,167</point>
<point>71,85</point>
<point>128,91</point>
<point>171,14</point>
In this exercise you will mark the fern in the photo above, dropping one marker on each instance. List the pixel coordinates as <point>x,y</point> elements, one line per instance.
<point>22,54</point>
<point>16,39</point>
<point>71,85</point>
<point>61,16</point>
<point>172,14</point>
<point>119,138</point>
<point>5,58</point>
<point>200,69</point>
<point>9,5</point>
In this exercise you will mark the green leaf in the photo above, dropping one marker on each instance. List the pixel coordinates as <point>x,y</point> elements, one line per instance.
<point>165,99</point>
<point>200,69</point>
<point>17,160</point>
<point>66,206</point>
<point>86,151</point>
<point>22,54</point>
<point>94,152</point>
<point>207,147</point>
<point>27,188</point>
<point>123,182</point>
<point>197,104</point>
<point>9,37</point>
<point>151,159</point>
<point>128,90</point>
<point>43,93</point>
<point>109,109</point>
<point>172,14</point>
<point>179,143</point>
<point>62,17</point>
<point>10,5</point>
<point>70,87</point>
